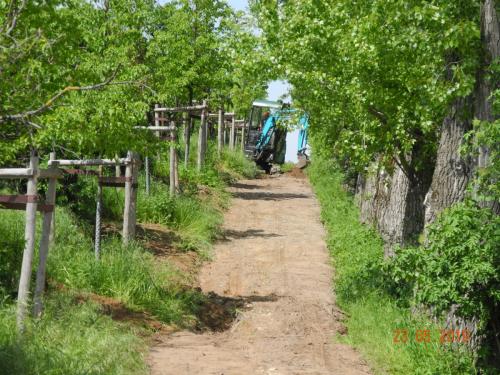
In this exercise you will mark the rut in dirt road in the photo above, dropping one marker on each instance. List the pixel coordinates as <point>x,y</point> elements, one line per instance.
<point>274,258</point>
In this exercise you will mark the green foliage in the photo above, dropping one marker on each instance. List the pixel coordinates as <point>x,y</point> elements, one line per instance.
<point>459,267</point>
<point>11,251</point>
<point>237,165</point>
<point>365,294</point>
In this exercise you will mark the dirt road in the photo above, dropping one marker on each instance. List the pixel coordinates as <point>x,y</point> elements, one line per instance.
<point>274,260</point>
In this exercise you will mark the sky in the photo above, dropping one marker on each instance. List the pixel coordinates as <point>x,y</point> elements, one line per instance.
<point>238,4</point>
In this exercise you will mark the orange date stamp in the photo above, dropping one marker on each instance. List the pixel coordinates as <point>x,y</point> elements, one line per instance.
<point>443,336</point>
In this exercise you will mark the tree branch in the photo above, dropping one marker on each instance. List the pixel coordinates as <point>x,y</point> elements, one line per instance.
<point>379,115</point>
<point>14,12</point>
<point>108,82</point>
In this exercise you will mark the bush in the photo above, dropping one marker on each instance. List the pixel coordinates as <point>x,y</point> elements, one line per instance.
<point>11,250</point>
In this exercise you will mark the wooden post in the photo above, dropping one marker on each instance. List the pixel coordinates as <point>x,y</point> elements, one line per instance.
<point>202,138</point>
<point>98,214</point>
<point>50,199</point>
<point>118,171</point>
<point>157,119</point>
<point>176,172</point>
<point>243,138</point>
<point>148,175</point>
<point>187,137</point>
<point>220,132</point>
<point>232,134</point>
<point>157,133</point>
<point>129,214</point>
<point>29,246</point>
<point>172,161</point>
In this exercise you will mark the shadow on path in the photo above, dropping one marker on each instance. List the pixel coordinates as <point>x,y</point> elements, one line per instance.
<point>217,313</point>
<point>232,234</point>
<point>268,196</point>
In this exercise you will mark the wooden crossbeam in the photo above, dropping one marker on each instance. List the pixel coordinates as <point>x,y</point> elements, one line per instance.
<point>87,172</point>
<point>190,108</point>
<point>156,128</point>
<point>90,162</point>
<point>18,202</point>
<point>16,172</point>
<point>116,181</point>
<point>228,114</point>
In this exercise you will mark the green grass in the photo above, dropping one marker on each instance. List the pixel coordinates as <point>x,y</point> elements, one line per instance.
<point>69,339</point>
<point>236,165</point>
<point>374,314</point>
<point>287,167</point>
<point>196,221</point>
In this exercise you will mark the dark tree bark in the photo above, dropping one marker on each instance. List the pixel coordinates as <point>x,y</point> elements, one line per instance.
<point>401,216</point>
<point>452,172</point>
<point>490,39</point>
<point>394,204</point>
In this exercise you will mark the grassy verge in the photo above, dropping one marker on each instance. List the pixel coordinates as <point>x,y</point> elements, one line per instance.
<point>374,314</point>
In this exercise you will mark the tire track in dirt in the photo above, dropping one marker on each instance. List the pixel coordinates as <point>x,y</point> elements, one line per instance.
<point>275,258</point>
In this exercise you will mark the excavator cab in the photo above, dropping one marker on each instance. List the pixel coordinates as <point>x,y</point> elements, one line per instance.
<point>265,141</point>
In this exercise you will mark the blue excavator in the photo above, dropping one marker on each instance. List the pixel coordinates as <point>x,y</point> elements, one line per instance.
<point>266,131</point>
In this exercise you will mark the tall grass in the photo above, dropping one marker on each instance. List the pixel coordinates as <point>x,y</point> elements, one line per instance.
<point>374,314</point>
<point>69,339</point>
<point>236,164</point>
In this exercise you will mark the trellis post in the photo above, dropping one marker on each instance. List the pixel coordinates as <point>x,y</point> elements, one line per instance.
<point>29,244</point>
<point>232,134</point>
<point>172,161</point>
<point>147,169</point>
<point>220,132</point>
<point>187,137</point>
<point>98,214</point>
<point>202,137</point>
<point>118,171</point>
<point>47,223</point>
<point>243,138</point>
<point>129,214</point>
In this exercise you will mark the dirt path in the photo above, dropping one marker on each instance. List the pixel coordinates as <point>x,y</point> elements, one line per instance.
<point>274,258</point>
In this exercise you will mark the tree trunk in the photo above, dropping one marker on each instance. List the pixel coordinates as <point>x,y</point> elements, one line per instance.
<point>399,206</point>
<point>452,172</point>
<point>366,192</point>
<point>490,39</point>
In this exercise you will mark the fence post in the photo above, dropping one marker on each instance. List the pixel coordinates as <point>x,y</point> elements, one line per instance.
<point>232,134</point>
<point>243,137</point>
<point>98,214</point>
<point>29,245</point>
<point>220,132</point>
<point>50,200</point>
<point>148,175</point>
<point>172,161</point>
<point>187,137</point>
<point>118,171</point>
<point>157,133</point>
<point>129,214</point>
<point>202,138</point>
